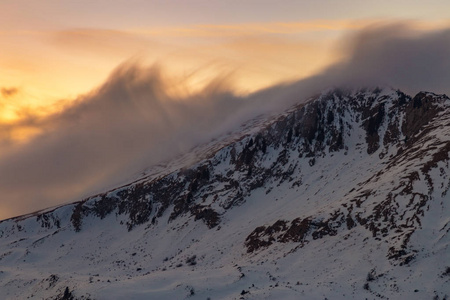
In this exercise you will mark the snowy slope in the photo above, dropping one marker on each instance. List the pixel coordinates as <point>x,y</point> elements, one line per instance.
<point>344,197</point>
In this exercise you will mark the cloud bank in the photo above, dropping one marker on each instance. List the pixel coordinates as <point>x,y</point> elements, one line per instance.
<point>399,56</point>
<point>138,117</point>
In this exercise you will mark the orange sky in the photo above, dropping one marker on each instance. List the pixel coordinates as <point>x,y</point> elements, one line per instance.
<point>49,65</point>
<point>53,51</point>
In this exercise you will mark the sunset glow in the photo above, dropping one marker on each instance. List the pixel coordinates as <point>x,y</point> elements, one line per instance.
<point>49,66</point>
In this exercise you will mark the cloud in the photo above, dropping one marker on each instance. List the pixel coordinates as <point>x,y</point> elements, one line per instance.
<point>271,28</point>
<point>132,121</point>
<point>139,117</point>
<point>253,29</point>
<point>9,92</point>
<point>397,55</point>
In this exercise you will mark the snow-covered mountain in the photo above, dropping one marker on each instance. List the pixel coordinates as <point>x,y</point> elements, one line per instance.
<point>345,196</point>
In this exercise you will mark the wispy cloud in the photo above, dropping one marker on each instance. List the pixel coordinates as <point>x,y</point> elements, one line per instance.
<point>253,29</point>
<point>9,92</point>
<point>276,28</point>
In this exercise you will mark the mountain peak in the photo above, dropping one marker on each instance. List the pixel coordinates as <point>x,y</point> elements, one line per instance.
<point>350,188</point>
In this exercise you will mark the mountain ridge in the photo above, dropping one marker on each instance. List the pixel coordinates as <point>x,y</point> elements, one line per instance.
<point>367,166</point>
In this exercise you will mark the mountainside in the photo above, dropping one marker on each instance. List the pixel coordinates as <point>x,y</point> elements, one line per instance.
<point>345,196</point>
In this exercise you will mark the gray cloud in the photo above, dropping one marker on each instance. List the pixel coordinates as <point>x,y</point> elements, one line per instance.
<point>127,124</point>
<point>396,55</point>
<point>134,120</point>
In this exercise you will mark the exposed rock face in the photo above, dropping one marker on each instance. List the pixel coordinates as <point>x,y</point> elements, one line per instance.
<point>371,163</point>
<point>311,131</point>
<point>399,211</point>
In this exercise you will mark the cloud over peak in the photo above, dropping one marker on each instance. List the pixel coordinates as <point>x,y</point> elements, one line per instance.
<point>398,55</point>
<point>139,117</point>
